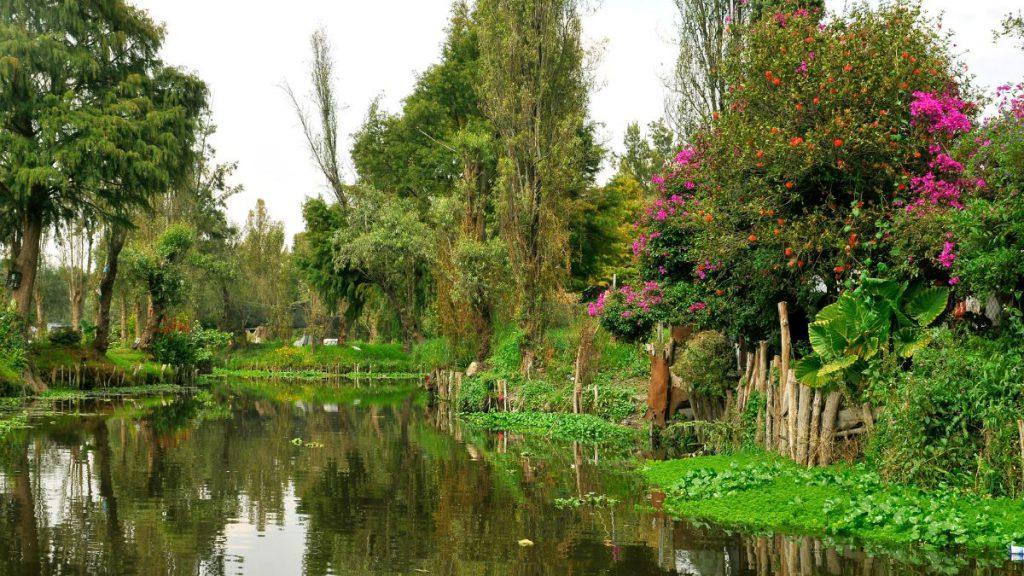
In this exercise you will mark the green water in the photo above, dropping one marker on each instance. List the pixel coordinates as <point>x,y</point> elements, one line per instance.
<point>255,479</point>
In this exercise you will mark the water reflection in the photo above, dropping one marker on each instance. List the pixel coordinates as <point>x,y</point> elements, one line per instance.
<point>255,482</point>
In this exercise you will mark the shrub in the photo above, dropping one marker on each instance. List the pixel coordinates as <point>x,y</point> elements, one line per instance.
<point>65,336</point>
<point>12,341</point>
<point>193,348</point>
<point>707,364</point>
<point>952,419</point>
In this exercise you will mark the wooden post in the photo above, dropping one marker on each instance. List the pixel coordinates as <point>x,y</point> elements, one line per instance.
<point>1020,430</point>
<point>828,428</point>
<point>786,354</point>
<point>769,410</point>
<point>803,423</point>
<point>812,453</point>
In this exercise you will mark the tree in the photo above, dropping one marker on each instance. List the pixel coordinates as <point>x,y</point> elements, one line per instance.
<point>165,113</point>
<point>384,239</point>
<point>322,132</point>
<point>75,248</point>
<point>160,269</point>
<point>534,92</point>
<point>707,33</point>
<point>815,175</point>
<point>646,156</point>
<point>65,109</point>
<point>263,261</point>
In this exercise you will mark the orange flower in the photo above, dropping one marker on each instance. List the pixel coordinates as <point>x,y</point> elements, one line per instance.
<point>838,142</point>
<point>776,81</point>
<point>789,251</point>
<point>799,106</point>
<point>796,141</point>
<point>708,218</point>
<point>789,185</point>
<point>848,68</point>
<point>752,238</point>
<point>816,100</point>
<point>760,153</point>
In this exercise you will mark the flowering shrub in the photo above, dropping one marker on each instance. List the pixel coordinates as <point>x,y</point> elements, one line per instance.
<point>835,136</point>
<point>628,312</point>
<point>989,231</point>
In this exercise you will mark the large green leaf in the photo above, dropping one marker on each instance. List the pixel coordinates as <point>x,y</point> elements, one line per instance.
<point>926,303</point>
<point>836,367</point>
<point>825,340</point>
<point>909,341</point>
<point>889,291</point>
<point>808,371</point>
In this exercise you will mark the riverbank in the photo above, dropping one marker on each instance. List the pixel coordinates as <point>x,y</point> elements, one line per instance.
<point>762,492</point>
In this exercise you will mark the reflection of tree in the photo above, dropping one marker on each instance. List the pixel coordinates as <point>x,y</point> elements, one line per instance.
<point>391,491</point>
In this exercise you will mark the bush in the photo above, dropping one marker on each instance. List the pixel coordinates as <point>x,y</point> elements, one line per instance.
<point>12,341</point>
<point>65,337</point>
<point>707,365</point>
<point>193,348</point>
<point>952,419</point>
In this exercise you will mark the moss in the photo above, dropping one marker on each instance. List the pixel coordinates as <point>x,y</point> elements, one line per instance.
<point>762,492</point>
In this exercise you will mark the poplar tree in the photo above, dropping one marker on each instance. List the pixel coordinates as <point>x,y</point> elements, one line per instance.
<point>534,86</point>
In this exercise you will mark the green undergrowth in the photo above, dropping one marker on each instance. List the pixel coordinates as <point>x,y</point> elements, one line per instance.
<point>54,360</point>
<point>383,394</point>
<point>570,427</point>
<point>762,492</point>
<point>618,371</point>
<point>283,357</point>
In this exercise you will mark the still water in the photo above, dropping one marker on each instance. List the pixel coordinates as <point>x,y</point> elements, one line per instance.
<point>266,480</point>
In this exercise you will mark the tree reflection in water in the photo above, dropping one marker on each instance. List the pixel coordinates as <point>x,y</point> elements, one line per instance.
<point>389,485</point>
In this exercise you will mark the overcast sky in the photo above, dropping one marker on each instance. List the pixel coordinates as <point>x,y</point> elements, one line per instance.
<point>246,49</point>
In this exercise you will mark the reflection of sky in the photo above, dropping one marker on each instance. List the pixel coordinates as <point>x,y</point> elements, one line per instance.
<point>276,550</point>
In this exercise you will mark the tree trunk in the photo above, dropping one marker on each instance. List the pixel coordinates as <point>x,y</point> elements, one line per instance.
<point>115,242</point>
<point>27,260</point>
<point>124,317</point>
<point>77,302</point>
<point>828,427</point>
<point>40,317</point>
<point>154,317</point>
<point>27,264</point>
<point>140,319</point>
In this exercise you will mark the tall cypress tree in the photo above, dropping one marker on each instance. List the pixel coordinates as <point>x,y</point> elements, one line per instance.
<point>80,122</point>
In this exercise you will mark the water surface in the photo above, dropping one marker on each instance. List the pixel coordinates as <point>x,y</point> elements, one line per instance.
<point>276,480</point>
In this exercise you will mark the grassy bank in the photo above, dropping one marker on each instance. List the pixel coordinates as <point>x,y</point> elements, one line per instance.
<point>281,357</point>
<point>761,492</point>
<point>569,427</point>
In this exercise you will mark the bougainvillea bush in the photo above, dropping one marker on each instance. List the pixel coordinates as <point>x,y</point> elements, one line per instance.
<point>836,134</point>
<point>987,239</point>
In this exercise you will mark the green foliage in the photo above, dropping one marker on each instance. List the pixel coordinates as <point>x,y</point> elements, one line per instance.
<point>12,342</point>
<point>865,325</point>
<point>65,336</point>
<point>573,427</point>
<point>590,499</point>
<point>801,185</point>
<point>951,420</point>
<point>763,492</point>
<point>989,232</point>
<point>193,348</point>
<point>707,364</point>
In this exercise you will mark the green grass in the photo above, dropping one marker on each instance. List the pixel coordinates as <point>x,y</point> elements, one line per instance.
<point>571,427</point>
<point>377,395</point>
<point>278,356</point>
<point>762,492</point>
<point>138,366</point>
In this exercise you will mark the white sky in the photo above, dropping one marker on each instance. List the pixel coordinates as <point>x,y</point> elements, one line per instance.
<point>245,50</point>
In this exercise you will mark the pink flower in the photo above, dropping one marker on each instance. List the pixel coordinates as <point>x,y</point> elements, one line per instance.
<point>947,257</point>
<point>940,113</point>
